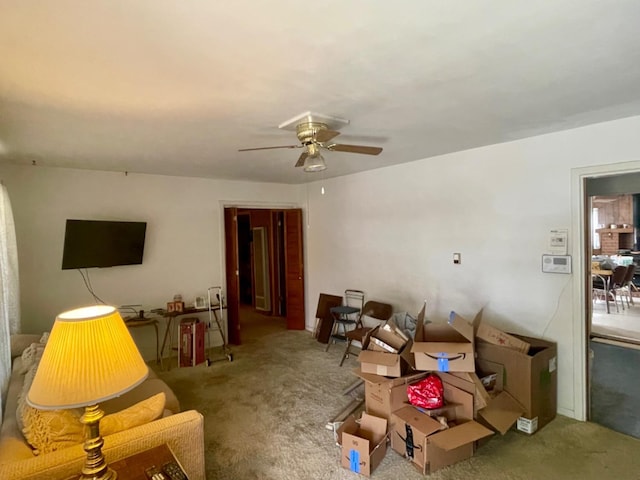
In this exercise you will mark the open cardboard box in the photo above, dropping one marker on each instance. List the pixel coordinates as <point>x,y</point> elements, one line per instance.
<point>384,363</point>
<point>383,395</point>
<point>490,334</point>
<point>363,445</point>
<point>419,436</point>
<point>531,378</point>
<point>495,409</point>
<point>444,347</point>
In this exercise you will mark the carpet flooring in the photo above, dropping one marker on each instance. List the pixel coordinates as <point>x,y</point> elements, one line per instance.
<point>266,414</point>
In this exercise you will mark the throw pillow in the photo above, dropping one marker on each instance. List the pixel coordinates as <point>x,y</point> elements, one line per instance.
<point>31,356</point>
<point>50,430</point>
<point>22,396</point>
<point>142,412</point>
<point>19,342</point>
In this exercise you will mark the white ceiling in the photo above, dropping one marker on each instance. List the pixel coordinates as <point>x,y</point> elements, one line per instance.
<point>177,87</point>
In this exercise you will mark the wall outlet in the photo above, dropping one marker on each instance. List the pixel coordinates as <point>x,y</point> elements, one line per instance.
<point>456,259</point>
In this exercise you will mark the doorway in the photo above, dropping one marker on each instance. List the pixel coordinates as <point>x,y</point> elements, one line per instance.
<point>612,243</point>
<point>264,270</point>
<point>615,244</point>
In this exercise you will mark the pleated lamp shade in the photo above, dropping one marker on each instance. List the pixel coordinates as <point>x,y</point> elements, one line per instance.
<point>89,357</point>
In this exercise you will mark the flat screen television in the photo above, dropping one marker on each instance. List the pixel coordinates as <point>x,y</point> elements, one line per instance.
<point>99,243</point>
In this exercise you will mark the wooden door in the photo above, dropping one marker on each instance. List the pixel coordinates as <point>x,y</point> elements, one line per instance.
<point>232,274</point>
<point>294,269</point>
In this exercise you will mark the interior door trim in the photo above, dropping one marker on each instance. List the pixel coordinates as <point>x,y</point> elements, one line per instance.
<point>580,247</point>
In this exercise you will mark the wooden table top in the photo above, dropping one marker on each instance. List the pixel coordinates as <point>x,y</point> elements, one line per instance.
<point>604,273</point>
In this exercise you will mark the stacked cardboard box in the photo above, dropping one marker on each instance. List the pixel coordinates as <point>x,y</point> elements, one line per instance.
<point>386,351</point>
<point>425,440</point>
<point>492,381</point>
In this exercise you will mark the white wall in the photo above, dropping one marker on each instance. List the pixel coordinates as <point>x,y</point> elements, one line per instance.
<point>184,240</point>
<point>392,232</point>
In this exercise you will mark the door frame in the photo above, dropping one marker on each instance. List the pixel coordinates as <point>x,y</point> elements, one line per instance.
<point>246,204</point>
<point>581,247</point>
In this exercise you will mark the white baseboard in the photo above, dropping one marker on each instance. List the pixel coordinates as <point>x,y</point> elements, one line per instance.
<point>567,412</point>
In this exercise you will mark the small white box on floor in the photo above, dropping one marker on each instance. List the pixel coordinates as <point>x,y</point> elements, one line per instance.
<point>527,425</point>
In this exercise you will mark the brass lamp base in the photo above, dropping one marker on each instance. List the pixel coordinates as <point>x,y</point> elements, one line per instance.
<point>95,466</point>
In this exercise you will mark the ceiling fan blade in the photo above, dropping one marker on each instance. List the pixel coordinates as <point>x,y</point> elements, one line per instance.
<point>303,157</point>
<point>325,135</point>
<point>355,149</point>
<point>269,148</point>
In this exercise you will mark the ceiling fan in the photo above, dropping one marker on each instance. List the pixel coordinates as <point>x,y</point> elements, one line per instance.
<point>315,136</point>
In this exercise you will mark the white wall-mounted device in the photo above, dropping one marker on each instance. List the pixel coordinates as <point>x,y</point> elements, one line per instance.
<point>556,263</point>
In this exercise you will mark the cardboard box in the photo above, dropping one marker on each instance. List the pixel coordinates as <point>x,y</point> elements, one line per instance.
<point>419,436</point>
<point>383,396</point>
<point>490,334</point>
<point>495,409</point>
<point>446,347</point>
<point>390,334</point>
<point>502,412</point>
<point>531,379</point>
<point>363,445</point>
<point>384,363</point>
<point>469,382</point>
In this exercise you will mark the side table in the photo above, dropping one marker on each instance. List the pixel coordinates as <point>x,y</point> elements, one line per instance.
<point>136,466</point>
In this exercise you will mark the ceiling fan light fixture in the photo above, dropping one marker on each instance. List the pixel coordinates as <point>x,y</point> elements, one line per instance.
<point>314,163</point>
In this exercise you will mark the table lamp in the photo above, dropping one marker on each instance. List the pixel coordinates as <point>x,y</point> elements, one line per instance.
<point>89,357</point>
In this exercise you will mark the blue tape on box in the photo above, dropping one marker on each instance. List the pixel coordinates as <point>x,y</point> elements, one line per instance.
<point>354,460</point>
<point>443,362</point>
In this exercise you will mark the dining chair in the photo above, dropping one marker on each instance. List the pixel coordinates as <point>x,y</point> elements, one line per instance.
<point>615,284</point>
<point>624,289</point>
<point>372,309</point>
<point>607,288</point>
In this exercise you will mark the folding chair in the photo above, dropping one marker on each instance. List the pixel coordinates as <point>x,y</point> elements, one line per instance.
<point>345,316</point>
<point>373,309</point>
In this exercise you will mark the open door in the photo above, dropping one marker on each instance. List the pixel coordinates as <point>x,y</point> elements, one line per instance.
<point>289,279</point>
<point>232,274</point>
<point>294,269</point>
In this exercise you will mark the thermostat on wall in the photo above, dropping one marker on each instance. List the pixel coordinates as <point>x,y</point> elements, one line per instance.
<point>556,263</point>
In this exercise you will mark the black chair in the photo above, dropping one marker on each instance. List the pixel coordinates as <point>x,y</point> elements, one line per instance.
<point>345,317</point>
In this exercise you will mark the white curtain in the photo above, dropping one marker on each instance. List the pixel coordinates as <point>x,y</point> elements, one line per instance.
<point>9,290</point>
